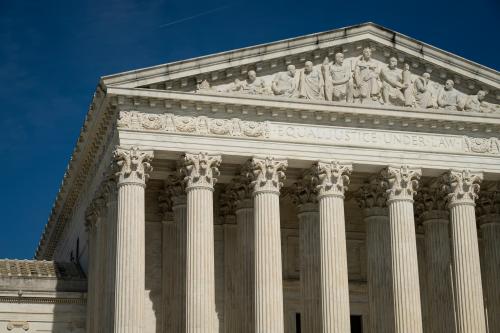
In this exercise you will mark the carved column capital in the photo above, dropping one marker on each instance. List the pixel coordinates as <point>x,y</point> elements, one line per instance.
<point>488,207</point>
<point>228,199</point>
<point>371,197</point>
<point>461,186</point>
<point>200,170</point>
<point>165,205</point>
<point>304,193</point>
<point>133,165</point>
<point>266,174</point>
<point>93,213</point>
<point>430,204</point>
<point>241,191</point>
<point>401,182</point>
<point>332,178</point>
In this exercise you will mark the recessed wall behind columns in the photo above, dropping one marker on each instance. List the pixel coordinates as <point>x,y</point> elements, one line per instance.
<point>290,252</point>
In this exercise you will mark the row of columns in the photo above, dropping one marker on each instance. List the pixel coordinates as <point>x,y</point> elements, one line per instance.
<point>391,244</point>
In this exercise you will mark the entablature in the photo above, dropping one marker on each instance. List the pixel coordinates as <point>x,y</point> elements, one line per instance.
<point>269,108</point>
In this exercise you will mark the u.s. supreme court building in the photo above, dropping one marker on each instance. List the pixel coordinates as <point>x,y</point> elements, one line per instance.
<point>345,181</point>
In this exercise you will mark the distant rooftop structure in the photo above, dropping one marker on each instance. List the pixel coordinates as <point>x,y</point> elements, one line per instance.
<point>40,269</point>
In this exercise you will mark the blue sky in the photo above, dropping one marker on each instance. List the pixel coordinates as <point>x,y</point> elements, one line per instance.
<point>52,54</point>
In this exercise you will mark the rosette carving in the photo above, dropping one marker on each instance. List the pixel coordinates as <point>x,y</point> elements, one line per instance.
<point>151,121</point>
<point>133,165</point>
<point>401,183</point>
<point>185,124</point>
<point>266,174</point>
<point>220,126</point>
<point>254,129</point>
<point>200,170</point>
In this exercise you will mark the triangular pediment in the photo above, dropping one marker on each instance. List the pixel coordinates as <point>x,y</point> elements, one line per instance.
<point>228,72</point>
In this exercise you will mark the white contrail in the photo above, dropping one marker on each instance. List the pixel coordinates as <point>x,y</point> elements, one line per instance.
<point>194,16</point>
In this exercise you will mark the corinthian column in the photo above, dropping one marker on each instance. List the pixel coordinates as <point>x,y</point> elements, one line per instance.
<point>109,190</point>
<point>431,209</point>
<point>333,179</point>
<point>462,188</point>
<point>267,175</point>
<point>232,322</point>
<point>133,171</point>
<point>170,244</point>
<point>200,171</point>
<point>245,224</point>
<point>371,198</point>
<point>488,211</point>
<point>401,183</point>
<point>90,226</point>
<point>305,197</point>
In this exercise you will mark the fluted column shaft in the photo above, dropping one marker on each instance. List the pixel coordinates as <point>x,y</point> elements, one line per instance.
<point>268,266</point>
<point>466,270</point>
<point>401,183</point>
<point>101,309</point>
<point>91,279</point>
<point>200,274</point>
<point>333,178</point>
<point>378,253</point>
<point>180,219</point>
<point>245,222</point>
<point>468,291</point>
<point>130,270</point>
<point>490,229</point>
<point>130,241</point>
<point>439,276</point>
<point>267,175</point>
<point>232,322</point>
<point>310,275</point>
<point>170,281</point>
<point>405,283</point>
<point>110,274</point>
<point>200,170</point>
<point>333,254</point>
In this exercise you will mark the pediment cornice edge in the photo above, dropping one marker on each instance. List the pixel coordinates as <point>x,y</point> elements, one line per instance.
<point>368,33</point>
<point>90,140</point>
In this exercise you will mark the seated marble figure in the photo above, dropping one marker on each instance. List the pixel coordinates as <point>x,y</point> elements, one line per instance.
<point>285,83</point>
<point>336,81</point>
<point>396,85</point>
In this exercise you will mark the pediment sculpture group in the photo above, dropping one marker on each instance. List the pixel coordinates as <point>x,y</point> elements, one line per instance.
<point>366,83</point>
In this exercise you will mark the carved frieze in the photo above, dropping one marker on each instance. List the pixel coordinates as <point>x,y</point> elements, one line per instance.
<point>189,124</point>
<point>305,133</point>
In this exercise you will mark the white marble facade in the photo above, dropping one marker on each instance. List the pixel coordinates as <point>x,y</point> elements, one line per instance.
<point>347,177</point>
